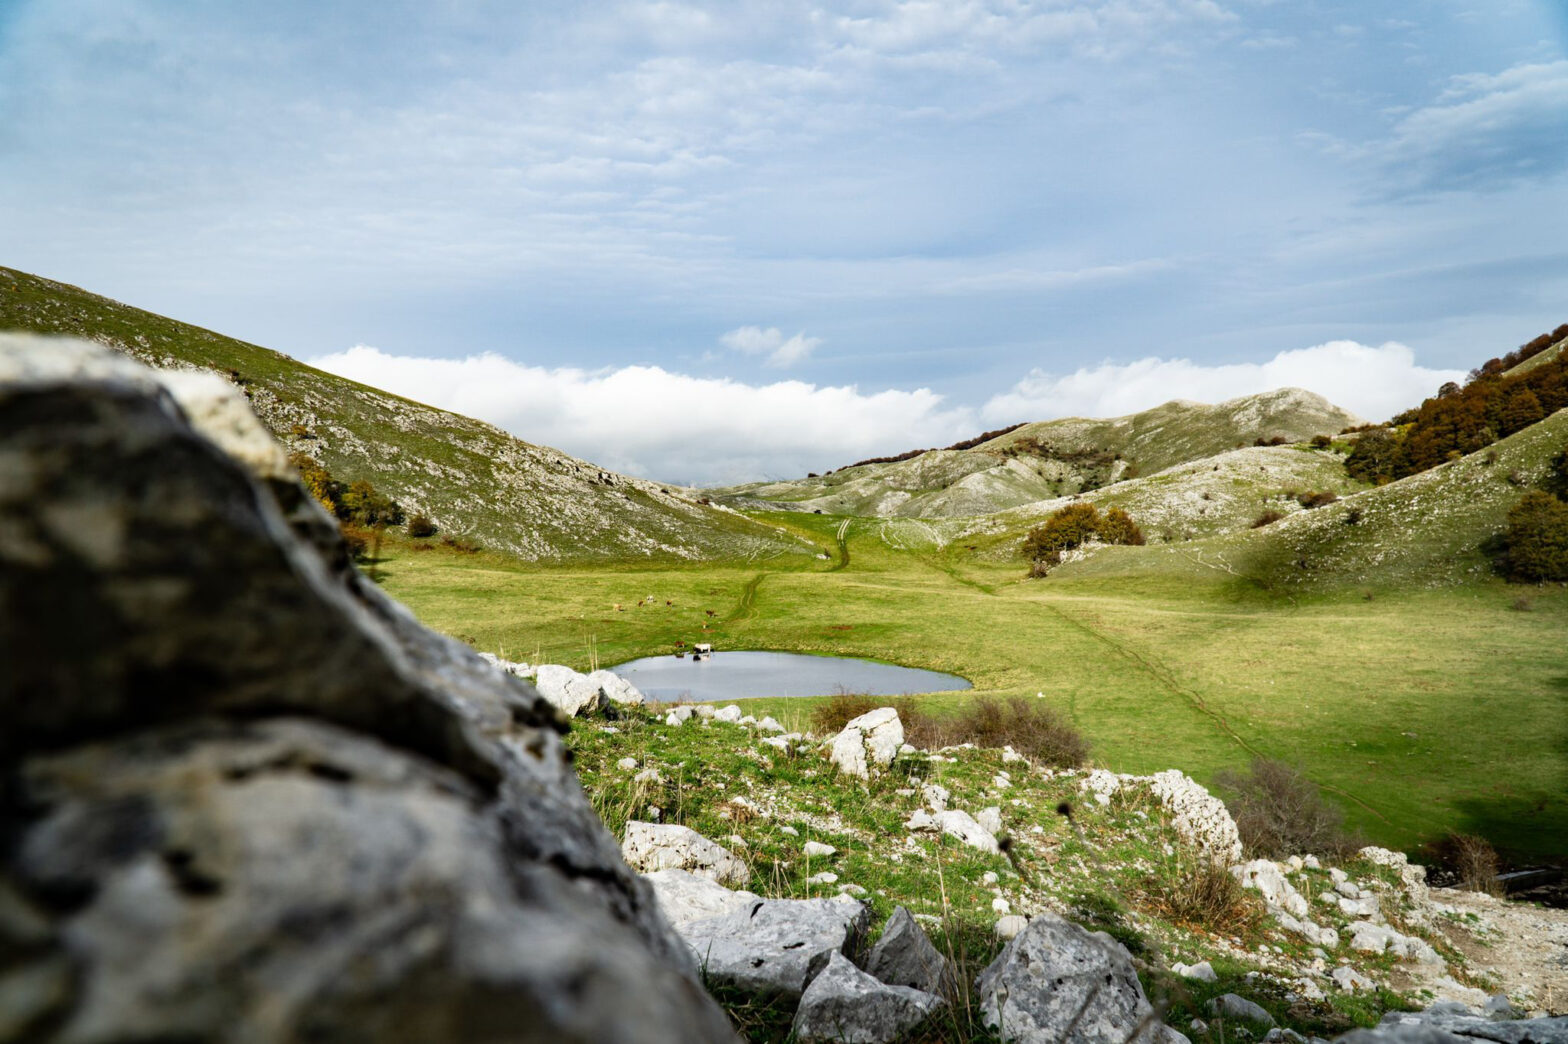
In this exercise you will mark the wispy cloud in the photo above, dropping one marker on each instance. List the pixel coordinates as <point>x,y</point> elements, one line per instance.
<point>771,343</point>
<point>1374,382</point>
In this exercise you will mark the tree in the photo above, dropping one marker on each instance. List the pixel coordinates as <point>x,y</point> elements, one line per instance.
<point>421,526</point>
<point>1557,476</point>
<point>1073,525</point>
<point>1374,457</point>
<point>1537,538</point>
<point>319,483</point>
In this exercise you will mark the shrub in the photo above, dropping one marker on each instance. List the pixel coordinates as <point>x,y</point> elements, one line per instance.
<point>1316,499</point>
<point>1556,481</point>
<point>1353,516</point>
<point>1269,517</point>
<point>1536,539</point>
<point>1279,812</point>
<point>1117,527</point>
<point>1321,442</point>
<point>319,483</point>
<point>421,526</point>
<point>1464,861</point>
<point>1277,440</point>
<point>1066,529</point>
<point>1192,888</point>
<point>1030,726</point>
<point>358,538</point>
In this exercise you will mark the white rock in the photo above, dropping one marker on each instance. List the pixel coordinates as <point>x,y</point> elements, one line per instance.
<point>961,825</point>
<point>791,831</point>
<point>826,877</point>
<point>1008,927</point>
<point>868,742</point>
<point>674,719</point>
<point>1001,782</point>
<point>1101,784</point>
<point>1202,971</point>
<point>818,850</point>
<point>616,689</point>
<point>844,1005</point>
<point>626,764</point>
<point>1350,980</point>
<point>769,725</point>
<point>571,693</point>
<point>777,743</point>
<point>989,878</point>
<point>1001,906</point>
<point>663,846</point>
<point>730,714</point>
<point>935,796</point>
<point>705,712</point>
<point>1337,875</point>
<point>768,947</point>
<point>1266,878</point>
<point>685,897</point>
<point>649,775</point>
<point>1197,815</point>
<point>1009,755</point>
<point>990,820</point>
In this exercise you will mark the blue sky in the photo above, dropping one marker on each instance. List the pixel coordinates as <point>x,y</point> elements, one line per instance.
<point>718,241</point>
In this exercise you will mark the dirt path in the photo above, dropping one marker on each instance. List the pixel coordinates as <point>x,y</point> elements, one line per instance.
<point>1523,949</point>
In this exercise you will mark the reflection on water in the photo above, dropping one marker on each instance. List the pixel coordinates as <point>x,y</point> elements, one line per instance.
<point>740,675</point>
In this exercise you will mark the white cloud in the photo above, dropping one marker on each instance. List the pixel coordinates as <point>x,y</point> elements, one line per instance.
<point>1373,382</point>
<point>780,351</point>
<point>644,420</point>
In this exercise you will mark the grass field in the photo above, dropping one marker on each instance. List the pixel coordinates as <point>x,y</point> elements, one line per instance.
<point>1422,711</point>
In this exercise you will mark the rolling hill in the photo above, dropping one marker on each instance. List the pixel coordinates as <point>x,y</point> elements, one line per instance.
<point>474,480</point>
<point>1049,459</point>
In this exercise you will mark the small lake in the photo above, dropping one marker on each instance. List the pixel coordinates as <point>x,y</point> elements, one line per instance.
<point>745,675</point>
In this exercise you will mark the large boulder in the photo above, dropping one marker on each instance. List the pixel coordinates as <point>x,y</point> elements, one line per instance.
<point>1056,983</point>
<point>571,693</point>
<point>670,846</point>
<point>247,796</point>
<point>685,897</point>
<point>769,947</point>
<point>868,743</point>
<point>616,689</point>
<point>844,1005</point>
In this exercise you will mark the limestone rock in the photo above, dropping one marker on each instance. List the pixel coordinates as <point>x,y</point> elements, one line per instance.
<point>868,742</point>
<point>904,956</point>
<point>730,714</point>
<point>685,897</point>
<point>1202,971</point>
<point>1008,927</point>
<point>1350,980</point>
<point>990,820</point>
<point>248,796</point>
<point>571,693</point>
<point>818,850</point>
<point>768,947</point>
<point>954,823</point>
<point>1232,1006</point>
<point>1199,816</point>
<point>666,846</point>
<point>1266,878</point>
<point>616,689</point>
<point>1055,977</point>
<point>844,1004</point>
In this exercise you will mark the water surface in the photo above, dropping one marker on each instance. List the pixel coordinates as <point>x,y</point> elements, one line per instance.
<point>744,675</point>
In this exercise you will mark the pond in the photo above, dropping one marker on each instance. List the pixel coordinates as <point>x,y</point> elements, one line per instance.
<point>743,675</point>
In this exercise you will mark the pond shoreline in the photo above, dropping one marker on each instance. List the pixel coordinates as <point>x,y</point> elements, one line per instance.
<point>759,674</point>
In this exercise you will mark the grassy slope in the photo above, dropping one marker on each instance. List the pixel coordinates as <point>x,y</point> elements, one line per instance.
<point>946,483</point>
<point>473,479</point>
<point>1425,710</point>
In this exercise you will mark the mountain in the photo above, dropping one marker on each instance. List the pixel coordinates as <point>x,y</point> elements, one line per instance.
<point>474,480</point>
<point>1049,459</point>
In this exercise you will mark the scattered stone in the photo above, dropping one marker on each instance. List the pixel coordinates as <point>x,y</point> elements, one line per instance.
<point>868,742</point>
<point>1265,877</point>
<point>990,820</point>
<point>730,714</point>
<point>665,846</point>
<point>626,764</point>
<point>1350,980</point>
<point>818,850</point>
<point>1054,976</point>
<point>1001,906</point>
<point>826,877</point>
<point>649,775</point>
<point>767,947</point>
<point>769,725</point>
<point>1202,971</point>
<point>844,1004</point>
<point>1439,1026</point>
<point>954,823</point>
<point>904,956</point>
<point>1008,927</point>
<point>1009,756</point>
<point>1235,1006</point>
<point>791,831</point>
<point>935,796</point>
<point>989,878</point>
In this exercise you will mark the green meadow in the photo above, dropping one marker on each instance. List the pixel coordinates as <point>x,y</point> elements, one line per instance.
<point>1419,710</point>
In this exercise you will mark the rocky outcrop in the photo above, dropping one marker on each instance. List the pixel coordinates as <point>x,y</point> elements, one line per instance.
<point>247,796</point>
<point>666,846</point>
<point>571,693</point>
<point>1056,983</point>
<point>868,743</point>
<point>844,1005</point>
<point>1450,1024</point>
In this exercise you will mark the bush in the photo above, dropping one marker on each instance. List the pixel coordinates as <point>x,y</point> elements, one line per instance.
<point>1277,440</point>
<point>1316,500</point>
<point>1117,527</point>
<point>1556,482</point>
<point>1321,442</point>
<point>1353,516</point>
<point>1073,525</point>
<point>421,526</point>
<point>1194,889</point>
<point>1464,861</point>
<point>358,538</point>
<point>1269,517</point>
<point>1279,812</point>
<point>1029,725</point>
<point>1536,539</point>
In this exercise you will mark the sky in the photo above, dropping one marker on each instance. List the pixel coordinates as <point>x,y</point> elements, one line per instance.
<point>708,243</point>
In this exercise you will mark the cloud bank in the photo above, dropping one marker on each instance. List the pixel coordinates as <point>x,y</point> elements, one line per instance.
<point>1374,382</point>
<point>648,421</point>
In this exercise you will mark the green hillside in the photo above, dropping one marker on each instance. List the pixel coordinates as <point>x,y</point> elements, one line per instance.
<point>1049,459</point>
<point>472,479</point>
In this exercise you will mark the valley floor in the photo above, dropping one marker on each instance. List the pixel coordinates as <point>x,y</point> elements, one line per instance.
<point>1420,711</point>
